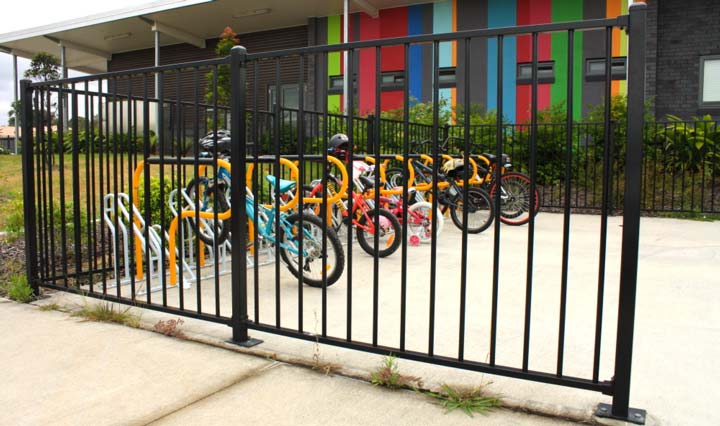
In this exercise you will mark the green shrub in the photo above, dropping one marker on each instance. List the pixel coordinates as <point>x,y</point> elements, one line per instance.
<point>690,147</point>
<point>155,201</point>
<point>18,289</point>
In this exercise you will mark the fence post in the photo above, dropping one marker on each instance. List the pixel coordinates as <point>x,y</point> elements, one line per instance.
<point>370,134</point>
<point>29,186</point>
<point>445,134</point>
<point>238,78</point>
<point>620,408</point>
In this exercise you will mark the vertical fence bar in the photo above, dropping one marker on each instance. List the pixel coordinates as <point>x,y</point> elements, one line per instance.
<point>631,211</point>
<point>349,114</point>
<point>531,224</point>
<point>238,75</point>
<point>466,184</point>
<point>77,226</point>
<point>301,172</point>
<point>496,206</point>
<point>566,205</point>
<point>405,154</point>
<point>277,118</point>
<point>435,156</point>
<point>29,186</point>
<point>375,135</point>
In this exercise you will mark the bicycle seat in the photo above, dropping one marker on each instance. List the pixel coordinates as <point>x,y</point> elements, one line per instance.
<point>491,157</point>
<point>367,182</point>
<point>285,185</point>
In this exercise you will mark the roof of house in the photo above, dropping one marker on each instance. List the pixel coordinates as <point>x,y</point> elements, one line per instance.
<point>92,40</point>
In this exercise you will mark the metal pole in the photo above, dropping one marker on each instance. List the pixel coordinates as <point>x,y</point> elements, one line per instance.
<point>238,77</point>
<point>63,67</point>
<point>346,78</point>
<point>29,187</point>
<point>157,59</point>
<point>15,102</point>
<point>631,221</point>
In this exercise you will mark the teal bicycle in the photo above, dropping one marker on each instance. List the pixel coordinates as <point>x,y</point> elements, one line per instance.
<point>286,234</point>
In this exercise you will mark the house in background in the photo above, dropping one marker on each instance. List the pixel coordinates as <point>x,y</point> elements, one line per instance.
<point>683,67</point>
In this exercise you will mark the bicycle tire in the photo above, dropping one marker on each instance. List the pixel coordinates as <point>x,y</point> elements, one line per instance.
<point>336,265</point>
<point>369,246</point>
<point>515,208</point>
<point>481,209</point>
<point>206,205</point>
<point>424,230</point>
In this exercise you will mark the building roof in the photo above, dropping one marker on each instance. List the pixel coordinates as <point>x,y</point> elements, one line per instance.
<point>92,40</point>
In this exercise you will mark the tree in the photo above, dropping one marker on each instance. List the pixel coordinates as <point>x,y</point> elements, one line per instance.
<point>43,67</point>
<point>228,40</point>
<point>14,114</point>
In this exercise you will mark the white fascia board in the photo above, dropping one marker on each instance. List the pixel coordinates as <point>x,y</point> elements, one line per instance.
<point>101,18</point>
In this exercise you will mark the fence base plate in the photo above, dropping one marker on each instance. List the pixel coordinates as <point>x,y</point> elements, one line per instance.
<point>635,415</point>
<point>249,343</point>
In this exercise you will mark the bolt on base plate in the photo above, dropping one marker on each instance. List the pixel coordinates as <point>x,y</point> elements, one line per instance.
<point>635,415</point>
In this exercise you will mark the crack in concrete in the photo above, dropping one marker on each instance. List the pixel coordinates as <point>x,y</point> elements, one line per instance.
<point>239,379</point>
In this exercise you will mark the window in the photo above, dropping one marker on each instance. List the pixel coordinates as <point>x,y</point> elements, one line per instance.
<point>447,78</point>
<point>336,83</point>
<point>289,96</point>
<point>545,72</point>
<point>595,69</point>
<point>392,80</point>
<point>710,81</point>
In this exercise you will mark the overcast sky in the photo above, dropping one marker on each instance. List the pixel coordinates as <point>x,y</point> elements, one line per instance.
<point>43,12</point>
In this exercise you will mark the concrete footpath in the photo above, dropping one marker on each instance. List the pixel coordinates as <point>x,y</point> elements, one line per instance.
<point>60,370</point>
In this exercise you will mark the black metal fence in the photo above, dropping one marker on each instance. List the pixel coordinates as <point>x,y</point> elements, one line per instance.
<point>119,211</point>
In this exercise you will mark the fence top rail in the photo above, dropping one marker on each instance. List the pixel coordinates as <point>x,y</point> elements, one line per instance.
<point>586,25</point>
<point>133,72</point>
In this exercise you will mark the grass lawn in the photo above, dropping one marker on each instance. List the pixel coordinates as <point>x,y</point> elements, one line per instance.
<point>11,181</point>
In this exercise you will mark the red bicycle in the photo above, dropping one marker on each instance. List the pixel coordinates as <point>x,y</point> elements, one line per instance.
<point>362,216</point>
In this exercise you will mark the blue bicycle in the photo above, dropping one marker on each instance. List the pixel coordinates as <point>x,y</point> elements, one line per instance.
<point>287,239</point>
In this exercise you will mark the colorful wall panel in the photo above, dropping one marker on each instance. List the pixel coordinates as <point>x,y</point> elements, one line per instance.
<point>458,15</point>
<point>502,13</point>
<point>562,11</point>
<point>533,12</point>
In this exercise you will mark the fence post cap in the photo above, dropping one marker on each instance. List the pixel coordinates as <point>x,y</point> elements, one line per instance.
<point>238,50</point>
<point>638,5</point>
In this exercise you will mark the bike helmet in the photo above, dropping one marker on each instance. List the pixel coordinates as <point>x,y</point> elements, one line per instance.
<point>339,142</point>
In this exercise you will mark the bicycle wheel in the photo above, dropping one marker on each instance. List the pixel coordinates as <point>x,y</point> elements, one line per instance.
<point>389,233</point>
<point>312,272</point>
<point>515,198</point>
<point>420,221</point>
<point>202,188</point>
<point>480,211</point>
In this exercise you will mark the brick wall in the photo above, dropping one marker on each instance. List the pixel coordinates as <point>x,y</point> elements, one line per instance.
<point>686,30</point>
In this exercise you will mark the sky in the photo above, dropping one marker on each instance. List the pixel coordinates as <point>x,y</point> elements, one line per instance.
<point>43,12</point>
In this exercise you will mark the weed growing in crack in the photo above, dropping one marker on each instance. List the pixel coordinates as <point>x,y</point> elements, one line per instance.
<point>170,327</point>
<point>106,312</point>
<point>389,376</point>
<point>468,399</point>
<point>325,367</point>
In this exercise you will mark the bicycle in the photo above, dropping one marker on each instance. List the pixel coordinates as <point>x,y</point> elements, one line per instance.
<point>287,241</point>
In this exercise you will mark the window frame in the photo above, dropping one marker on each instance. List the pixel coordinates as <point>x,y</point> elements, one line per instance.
<point>448,71</point>
<point>271,98</point>
<point>339,91</point>
<point>614,74</point>
<point>542,79</point>
<point>715,105</point>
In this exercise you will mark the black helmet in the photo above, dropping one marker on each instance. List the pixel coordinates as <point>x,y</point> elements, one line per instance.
<point>339,142</point>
